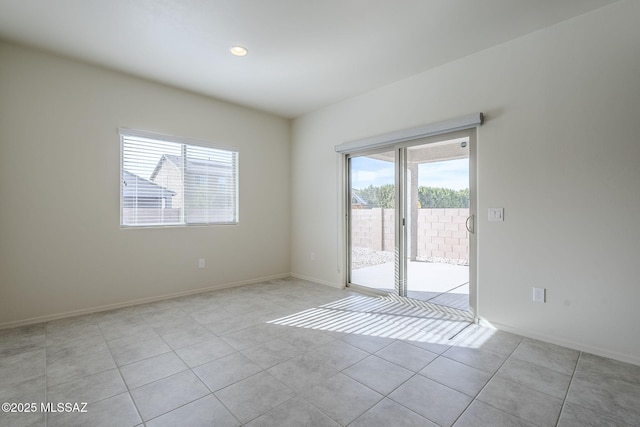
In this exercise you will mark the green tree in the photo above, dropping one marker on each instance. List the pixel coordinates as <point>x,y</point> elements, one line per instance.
<point>437,197</point>
<point>429,197</point>
<point>378,197</point>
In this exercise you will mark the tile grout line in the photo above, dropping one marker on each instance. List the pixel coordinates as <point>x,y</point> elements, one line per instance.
<point>387,396</point>
<point>296,395</point>
<point>211,392</point>
<point>475,398</point>
<point>448,386</point>
<point>384,396</point>
<point>296,392</point>
<point>299,393</point>
<point>610,416</point>
<point>135,405</point>
<point>566,395</point>
<point>191,369</point>
<point>172,350</point>
<point>83,376</point>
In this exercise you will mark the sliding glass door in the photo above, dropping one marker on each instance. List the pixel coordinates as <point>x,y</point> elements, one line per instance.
<point>410,218</point>
<point>437,212</point>
<point>372,190</point>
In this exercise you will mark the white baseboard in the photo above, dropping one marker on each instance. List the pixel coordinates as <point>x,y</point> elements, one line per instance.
<point>598,351</point>
<point>130,303</point>
<point>315,280</point>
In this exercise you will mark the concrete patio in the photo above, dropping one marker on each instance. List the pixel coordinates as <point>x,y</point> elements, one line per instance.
<point>438,283</point>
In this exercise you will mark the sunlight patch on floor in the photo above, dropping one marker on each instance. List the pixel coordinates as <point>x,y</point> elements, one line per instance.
<point>379,317</point>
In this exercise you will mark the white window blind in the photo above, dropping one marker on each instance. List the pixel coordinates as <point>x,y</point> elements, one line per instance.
<point>172,181</point>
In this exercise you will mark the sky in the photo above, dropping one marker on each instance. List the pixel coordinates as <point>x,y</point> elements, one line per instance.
<point>452,174</point>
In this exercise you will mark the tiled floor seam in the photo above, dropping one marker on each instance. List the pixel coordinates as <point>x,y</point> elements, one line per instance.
<point>527,387</point>
<point>578,404</point>
<point>333,419</point>
<point>212,392</point>
<point>272,409</point>
<point>225,407</point>
<point>135,405</point>
<point>208,388</point>
<point>564,400</point>
<point>448,386</point>
<point>388,395</point>
<point>473,398</point>
<point>384,395</point>
<point>300,394</point>
<point>158,380</point>
<point>463,411</point>
<point>406,407</point>
<point>485,386</point>
<point>370,353</point>
<point>189,403</point>
<point>471,366</point>
<point>189,368</point>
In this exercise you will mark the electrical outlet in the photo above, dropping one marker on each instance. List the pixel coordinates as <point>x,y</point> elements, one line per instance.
<point>312,256</point>
<point>201,263</point>
<point>539,295</point>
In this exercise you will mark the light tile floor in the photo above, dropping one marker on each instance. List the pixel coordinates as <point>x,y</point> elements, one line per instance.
<point>292,353</point>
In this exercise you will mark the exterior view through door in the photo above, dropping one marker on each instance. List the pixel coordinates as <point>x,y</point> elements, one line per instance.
<point>409,219</point>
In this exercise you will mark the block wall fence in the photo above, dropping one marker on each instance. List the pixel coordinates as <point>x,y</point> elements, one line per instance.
<point>441,232</point>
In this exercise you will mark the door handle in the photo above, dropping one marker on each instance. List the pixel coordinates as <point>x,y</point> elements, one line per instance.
<point>470,220</point>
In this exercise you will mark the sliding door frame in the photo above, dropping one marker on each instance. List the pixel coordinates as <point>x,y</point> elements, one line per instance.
<point>347,214</point>
<point>401,239</point>
<point>401,222</point>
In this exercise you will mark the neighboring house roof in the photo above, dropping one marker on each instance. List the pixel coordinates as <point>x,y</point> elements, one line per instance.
<point>195,166</point>
<point>136,186</point>
<point>359,199</point>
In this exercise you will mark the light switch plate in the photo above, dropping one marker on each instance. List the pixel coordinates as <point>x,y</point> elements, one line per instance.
<point>496,214</point>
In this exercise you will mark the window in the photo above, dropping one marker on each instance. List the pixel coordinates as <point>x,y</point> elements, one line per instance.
<point>170,181</point>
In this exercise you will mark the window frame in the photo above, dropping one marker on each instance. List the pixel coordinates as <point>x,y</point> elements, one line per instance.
<point>183,144</point>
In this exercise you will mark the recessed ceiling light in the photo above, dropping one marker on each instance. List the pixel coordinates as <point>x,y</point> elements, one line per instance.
<point>238,50</point>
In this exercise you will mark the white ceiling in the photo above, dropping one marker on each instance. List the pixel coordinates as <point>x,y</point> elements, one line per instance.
<point>303,54</point>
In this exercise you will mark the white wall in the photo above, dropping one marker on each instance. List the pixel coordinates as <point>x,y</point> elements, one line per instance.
<point>560,151</point>
<point>61,247</point>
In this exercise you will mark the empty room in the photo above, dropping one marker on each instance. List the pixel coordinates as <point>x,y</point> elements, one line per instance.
<point>319,213</point>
